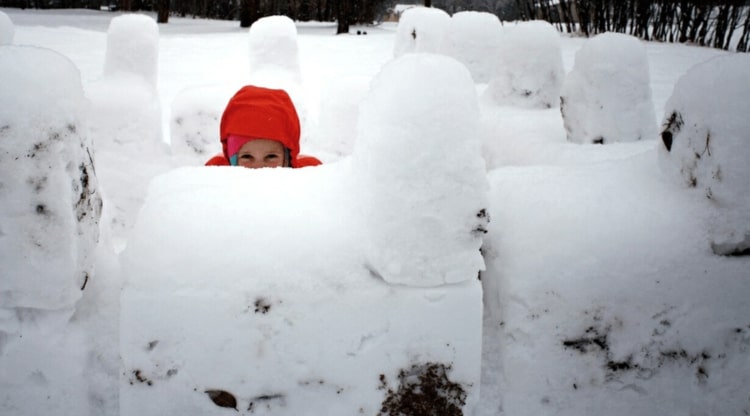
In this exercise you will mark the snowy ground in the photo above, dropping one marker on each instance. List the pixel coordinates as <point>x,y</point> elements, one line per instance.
<point>602,294</point>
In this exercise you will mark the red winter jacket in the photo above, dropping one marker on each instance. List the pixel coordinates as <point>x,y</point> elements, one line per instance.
<point>262,113</point>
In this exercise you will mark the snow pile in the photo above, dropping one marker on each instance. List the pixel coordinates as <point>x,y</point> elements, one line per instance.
<point>339,114</point>
<point>6,29</point>
<point>420,29</point>
<point>529,71</point>
<point>606,98</point>
<point>133,47</point>
<point>49,212</point>
<point>706,141</point>
<point>607,296</point>
<point>274,55</point>
<point>126,123</point>
<point>422,158</point>
<point>473,38</point>
<point>194,121</point>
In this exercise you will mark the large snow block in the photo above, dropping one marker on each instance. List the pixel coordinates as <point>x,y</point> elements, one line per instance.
<point>422,178</point>
<point>49,200</point>
<point>420,29</point>
<point>706,147</point>
<point>247,289</point>
<point>49,212</point>
<point>606,97</point>
<point>473,38</point>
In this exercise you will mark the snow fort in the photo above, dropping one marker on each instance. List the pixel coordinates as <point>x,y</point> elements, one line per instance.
<point>347,288</point>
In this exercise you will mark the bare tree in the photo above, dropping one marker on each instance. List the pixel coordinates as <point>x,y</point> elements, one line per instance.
<point>342,16</point>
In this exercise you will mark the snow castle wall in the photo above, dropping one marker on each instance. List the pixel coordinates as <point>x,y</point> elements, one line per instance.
<point>473,38</point>
<point>705,145</point>
<point>252,289</point>
<point>49,216</point>
<point>420,29</point>
<point>606,97</point>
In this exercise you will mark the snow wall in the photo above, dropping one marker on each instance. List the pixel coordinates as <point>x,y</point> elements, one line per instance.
<point>49,217</point>
<point>263,291</point>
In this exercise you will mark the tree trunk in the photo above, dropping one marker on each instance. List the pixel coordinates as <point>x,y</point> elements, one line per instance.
<point>742,46</point>
<point>248,12</point>
<point>342,16</point>
<point>427,3</point>
<point>162,15</point>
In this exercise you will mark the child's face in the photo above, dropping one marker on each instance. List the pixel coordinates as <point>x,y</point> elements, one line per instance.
<point>261,153</point>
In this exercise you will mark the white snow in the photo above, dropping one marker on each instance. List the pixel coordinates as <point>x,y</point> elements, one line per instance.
<point>6,29</point>
<point>420,29</point>
<point>602,293</point>
<point>606,97</point>
<point>133,47</point>
<point>529,70</point>
<point>49,228</point>
<point>422,170</point>
<point>708,145</point>
<point>274,56</point>
<point>473,38</point>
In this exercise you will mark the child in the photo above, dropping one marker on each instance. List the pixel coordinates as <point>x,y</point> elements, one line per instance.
<point>260,128</point>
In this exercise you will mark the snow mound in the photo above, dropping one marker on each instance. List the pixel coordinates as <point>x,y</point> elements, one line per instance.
<point>339,110</point>
<point>606,97</point>
<point>133,47</point>
<point>473,38</point>
<point>50,202</point>
<point>195,116</point>
<point>707,144</point>
<point>420,29</point>
<point>529,71</point>
<point>274,54</point>
<point>422,168</point>
<point>6,29</point>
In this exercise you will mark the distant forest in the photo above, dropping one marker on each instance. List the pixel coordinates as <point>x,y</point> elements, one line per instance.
<point>715,23</point>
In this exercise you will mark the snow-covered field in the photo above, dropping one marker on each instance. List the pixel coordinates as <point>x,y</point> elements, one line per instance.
<point>603,290</point>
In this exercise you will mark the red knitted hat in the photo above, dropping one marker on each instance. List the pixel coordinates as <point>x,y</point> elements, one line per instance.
<point>261,113</point>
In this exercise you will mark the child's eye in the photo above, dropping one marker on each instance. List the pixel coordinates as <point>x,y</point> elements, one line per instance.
<point>246,156</point>
<point>272,156</point>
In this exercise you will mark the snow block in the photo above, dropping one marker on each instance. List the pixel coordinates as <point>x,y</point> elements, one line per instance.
<point>606,97</point>
<point>194,124</point>
<point>274,55</point>
<point>422,177</point>
<point>705,144</point>
<point>339,110</point>
<point>473,38</point>
<point>268,308</point>
<point>608,303</point>
<point>49,212</point>
<point>420,29</point>
<point>49,200</point>
<point>529,71</point>
<point>133,47</point>
<point>6,29</point>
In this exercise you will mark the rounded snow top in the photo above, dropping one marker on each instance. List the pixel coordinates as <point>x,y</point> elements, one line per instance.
<point>473,38</point>
<point>420,29</point>
<point>420,165</point>
<point>606,97</point>
<point>23,70</point>
<point>273,44</point>
<point>529,71</point>
<point>133,47</point>
<point>706,133</point>
<point>6,29</point>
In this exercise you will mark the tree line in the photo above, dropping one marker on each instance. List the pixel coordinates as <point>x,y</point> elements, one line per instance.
<point>711,23</point>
